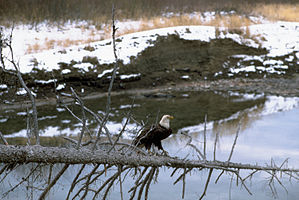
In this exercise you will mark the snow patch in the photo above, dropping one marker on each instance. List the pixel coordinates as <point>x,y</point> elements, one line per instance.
<point>3,120</point>
<point>129,106</point>
<point>60,86</point>
<point>243,69</point>
<point>66,71</point>
<point>83,66</point>
<point>122,77</point>
<point>105,72</point>
<point>185,77</point>
<point>3,86</point>
<point>45,82</point>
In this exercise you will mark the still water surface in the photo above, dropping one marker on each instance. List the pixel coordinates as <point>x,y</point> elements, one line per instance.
<point>269,130</point>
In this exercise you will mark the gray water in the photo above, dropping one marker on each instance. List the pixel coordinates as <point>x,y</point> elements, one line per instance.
<point>269,130</point>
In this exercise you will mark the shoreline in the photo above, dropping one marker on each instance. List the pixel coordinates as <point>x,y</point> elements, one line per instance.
<point>274,86</point>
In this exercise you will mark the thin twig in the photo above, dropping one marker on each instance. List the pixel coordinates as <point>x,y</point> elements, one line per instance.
<point>28,129</point>
<point>110,181</point>
<point>230,187</point>
<point>207,183</point>
<point>74,181</point>
<point>83,117</point>
<point>215,144</point>
<point>87,183</point>
<point>144,183</point>
<point>50,173</point>
<point>250,175</point>
<point>23,180</point>
<point>184,184</point>
<point>137,183</point>
<point>21,80</point>
<point>119,167</point>
<point>205,138</point>
<point>4,168</point>
<point>235,142</point>
<point>108,104</point>
<point>3,138</point>
<point>121,132</point>
<point>150,179</point>
<point>182,175</point>
<point>219,176</point>
<point>48,188</point>
<point>242,181</point>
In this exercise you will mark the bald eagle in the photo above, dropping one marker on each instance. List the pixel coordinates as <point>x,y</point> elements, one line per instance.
<point>154,135</point>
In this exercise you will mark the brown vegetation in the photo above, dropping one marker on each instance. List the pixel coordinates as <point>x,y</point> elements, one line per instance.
<point>99,12</point>
<point>150,13</point>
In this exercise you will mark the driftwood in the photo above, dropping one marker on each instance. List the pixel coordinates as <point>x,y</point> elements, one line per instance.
<point>54,155</point>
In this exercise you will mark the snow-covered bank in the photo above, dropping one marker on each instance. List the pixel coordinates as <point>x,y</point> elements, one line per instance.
<point>279,38</point>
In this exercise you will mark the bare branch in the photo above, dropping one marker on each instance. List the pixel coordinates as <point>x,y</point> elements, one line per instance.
<point>219,176</point>
<point>150,179</point>
<point>207,183</point>
<point>235,142</point>
<point>215,144</point>
<point>83,117</point>
<point>48,188</point>
<point>23,180</point>
<point>50,174</point>
<point>137,183</point>
<point>121,132</point>
<point>119,167</point>
<point>193,146</point>
<point>205,138</point>
<point>145,180</point>
<point>250,175</point>
<point>3,139</point>
<point>182,175</point>
<point>87,183</point>
<point>184,184</point>
<point>21,80</point>
<point>230,187</point>
<point>105,119</point>
<point>243,183</point>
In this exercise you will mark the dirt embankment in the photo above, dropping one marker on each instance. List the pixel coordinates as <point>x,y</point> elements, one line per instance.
<point>170,64</point>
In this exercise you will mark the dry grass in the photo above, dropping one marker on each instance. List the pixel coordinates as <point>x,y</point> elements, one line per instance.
<point>232,23</point>
<point>51,44</point>
<point>99,11</point>
<point>286,12</point>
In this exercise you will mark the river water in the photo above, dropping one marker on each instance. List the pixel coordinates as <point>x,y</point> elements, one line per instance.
<point>268,133</point>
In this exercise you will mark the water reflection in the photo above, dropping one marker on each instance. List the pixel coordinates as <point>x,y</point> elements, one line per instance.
<point>188,110</point>
<point>268,130</point>
<point>272,136</point>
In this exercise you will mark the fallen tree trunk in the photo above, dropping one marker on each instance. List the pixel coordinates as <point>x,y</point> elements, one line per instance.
<point>53,155</point>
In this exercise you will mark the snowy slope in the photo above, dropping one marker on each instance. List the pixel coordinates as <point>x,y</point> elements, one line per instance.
<point>279,38</point>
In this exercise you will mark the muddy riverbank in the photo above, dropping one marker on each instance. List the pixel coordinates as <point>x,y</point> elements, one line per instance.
<point>282,87</point>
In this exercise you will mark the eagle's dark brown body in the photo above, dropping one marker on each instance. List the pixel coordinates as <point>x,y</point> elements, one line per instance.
<point>152,135</point>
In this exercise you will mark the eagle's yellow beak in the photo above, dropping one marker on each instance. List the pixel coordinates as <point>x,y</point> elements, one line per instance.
<point>171,117</point>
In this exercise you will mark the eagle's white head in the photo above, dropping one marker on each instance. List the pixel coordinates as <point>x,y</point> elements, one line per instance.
<point>165,121</point>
